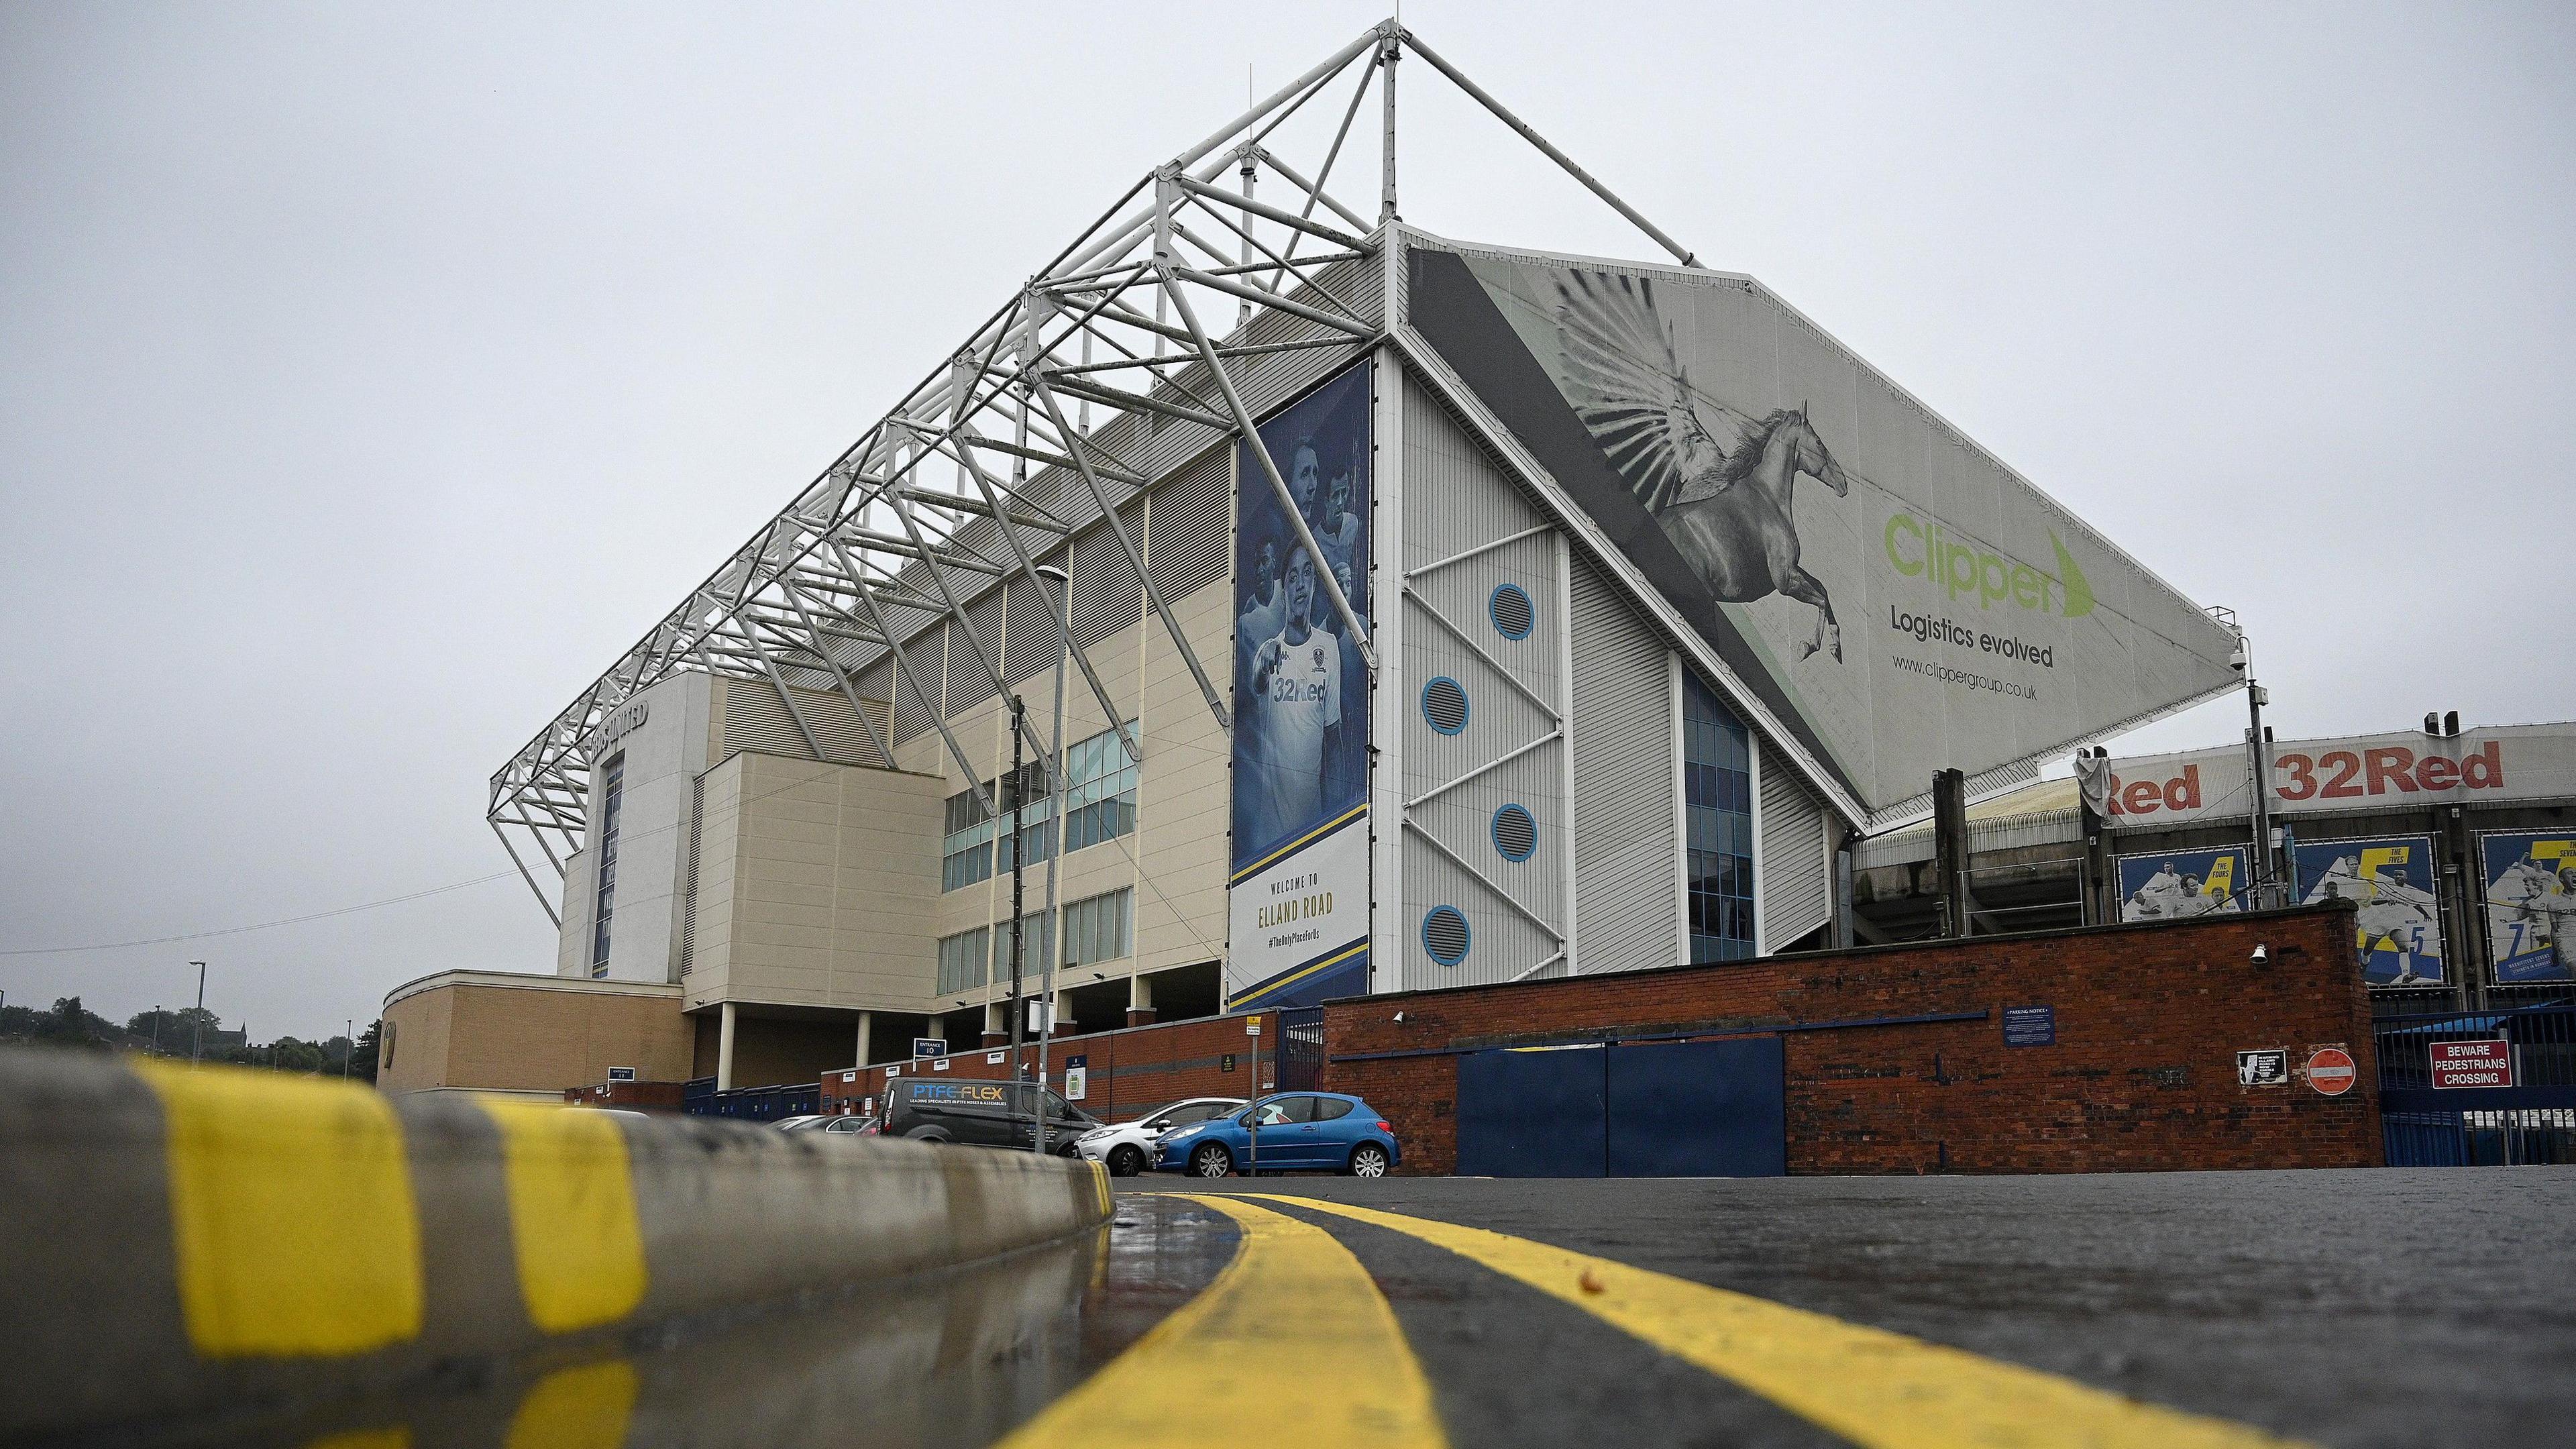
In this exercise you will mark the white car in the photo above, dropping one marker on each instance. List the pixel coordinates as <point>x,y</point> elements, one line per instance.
<point>1127,1148</point>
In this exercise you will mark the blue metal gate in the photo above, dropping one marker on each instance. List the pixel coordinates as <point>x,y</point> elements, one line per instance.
<point>2534,1120</point>
<point>1698,1109</point>
<point>1301,1049</point>
<point>1532,1112</point>
<point>1662,1109</point>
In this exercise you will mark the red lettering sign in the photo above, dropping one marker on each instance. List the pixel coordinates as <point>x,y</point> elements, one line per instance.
<point>2485,1063</point>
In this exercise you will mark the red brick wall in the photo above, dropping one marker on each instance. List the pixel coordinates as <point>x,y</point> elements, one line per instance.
<point>633,1096</point>
<point>1131,1070</point>
<point>2142,1077</point>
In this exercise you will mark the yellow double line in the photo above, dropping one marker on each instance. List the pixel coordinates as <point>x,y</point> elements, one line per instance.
<point>1295,1321</point>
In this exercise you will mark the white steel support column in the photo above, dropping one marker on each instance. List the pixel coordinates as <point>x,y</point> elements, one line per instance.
<point>724,1047</point>
<point>1388,930</point>
<point>1565,742</point>
<point>867,1028</point>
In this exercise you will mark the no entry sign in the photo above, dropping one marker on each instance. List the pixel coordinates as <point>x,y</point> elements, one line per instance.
<point>2330,1070</point>
<point>2486,1063</point>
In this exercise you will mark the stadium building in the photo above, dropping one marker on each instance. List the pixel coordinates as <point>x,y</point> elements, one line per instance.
<point>1417,614</point>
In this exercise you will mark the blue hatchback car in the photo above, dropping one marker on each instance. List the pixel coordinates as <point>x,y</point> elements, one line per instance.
<point>1288,1132</point>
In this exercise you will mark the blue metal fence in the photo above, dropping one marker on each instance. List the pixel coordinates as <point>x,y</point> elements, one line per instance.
<point>751,1104</point>
<point>2532,1121</point>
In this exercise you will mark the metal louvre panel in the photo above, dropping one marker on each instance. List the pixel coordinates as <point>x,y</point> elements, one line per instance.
<point>920,660</point>
<point>968,683</point>
<point>1107,595</point>
<point>876,680</point>
<point>1794,891</point>
<point>689,877</point>
<point>1189,527</point>
<point>1031,640</point>
<point>1626,866</point>
<point>756,718</point>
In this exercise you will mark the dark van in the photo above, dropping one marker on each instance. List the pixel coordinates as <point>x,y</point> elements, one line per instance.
<point>981,1114</point>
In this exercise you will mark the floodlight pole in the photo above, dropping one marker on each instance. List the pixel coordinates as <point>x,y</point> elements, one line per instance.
<point>2266,892</point>
<point>1056,580</point>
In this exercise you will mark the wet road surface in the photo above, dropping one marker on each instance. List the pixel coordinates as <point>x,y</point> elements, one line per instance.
<point>2338,1308</point>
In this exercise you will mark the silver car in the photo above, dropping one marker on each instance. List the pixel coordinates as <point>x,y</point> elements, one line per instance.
<point>1127,1148</point>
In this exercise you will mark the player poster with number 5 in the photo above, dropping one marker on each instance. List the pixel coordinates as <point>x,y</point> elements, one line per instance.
<point>2390,880</point>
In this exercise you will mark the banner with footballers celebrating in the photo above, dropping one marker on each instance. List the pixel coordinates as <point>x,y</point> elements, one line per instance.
<point>2389,879</point>
<point>2174,884</point>
<point>1298,889</point>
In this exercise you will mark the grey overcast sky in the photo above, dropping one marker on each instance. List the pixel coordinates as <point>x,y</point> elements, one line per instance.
<point>370,377</point>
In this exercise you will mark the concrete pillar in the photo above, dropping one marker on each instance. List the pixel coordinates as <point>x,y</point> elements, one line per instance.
<point>1140,1000</point>
<point>997,1025</point>
<point>724,1049</point>
<point>1064,1022</point>
<point>867,1025</point>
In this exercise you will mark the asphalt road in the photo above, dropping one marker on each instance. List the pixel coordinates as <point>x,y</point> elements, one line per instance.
<point>2398,1308</point>
<point>2370,1307</point>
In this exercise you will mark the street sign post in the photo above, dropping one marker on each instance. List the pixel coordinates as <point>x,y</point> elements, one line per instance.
<point>929,1046</point>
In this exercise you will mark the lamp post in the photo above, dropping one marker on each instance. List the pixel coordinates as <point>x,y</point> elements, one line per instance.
<point>2265,885</point>
<point>1056,582</point>
<point>197,1050</point>
<point>156,1028</point>
<point>348,1047</point>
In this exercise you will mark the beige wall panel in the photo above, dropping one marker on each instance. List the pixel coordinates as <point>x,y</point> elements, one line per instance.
<point>534,1037</point>
<point>1182,811</point>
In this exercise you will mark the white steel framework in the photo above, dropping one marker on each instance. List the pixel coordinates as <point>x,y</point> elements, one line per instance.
<point>1012,444</point>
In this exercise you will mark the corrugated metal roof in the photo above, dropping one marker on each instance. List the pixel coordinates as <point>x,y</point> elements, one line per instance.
<point>2044,812</point>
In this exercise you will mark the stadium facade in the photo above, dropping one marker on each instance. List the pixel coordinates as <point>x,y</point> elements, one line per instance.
<point>1418,614</point>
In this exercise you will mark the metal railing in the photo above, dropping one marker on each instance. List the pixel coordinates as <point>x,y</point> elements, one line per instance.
<point>2485,1130</point>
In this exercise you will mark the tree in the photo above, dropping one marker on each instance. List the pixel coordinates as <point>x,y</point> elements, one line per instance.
<point>71,1024</point>
<point>363,1066</point>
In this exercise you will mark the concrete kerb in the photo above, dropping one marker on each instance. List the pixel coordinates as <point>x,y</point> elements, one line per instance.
<point>176,1240</point>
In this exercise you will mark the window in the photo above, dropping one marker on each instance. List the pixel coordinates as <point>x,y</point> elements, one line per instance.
<point>1028,819</point>
<point>1717,790</point>
<point>614,804</point>
<point>1099,790</point>
<point>1327,1109</point>
<point>1037,939</point>
<point>963,959</point>
<point>1101,928</point>
<point>966,852</point>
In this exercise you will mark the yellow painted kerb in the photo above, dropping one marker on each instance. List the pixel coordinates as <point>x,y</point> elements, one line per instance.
<point>572,1213</point>
<point>1878,1389</point>
<point>291,1213</point>
<point>1292,1345</point>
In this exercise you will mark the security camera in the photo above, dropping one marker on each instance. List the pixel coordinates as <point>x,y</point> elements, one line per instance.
<point>2262,955</point>
<point>1399,1018</point>
<point>2236,657</point>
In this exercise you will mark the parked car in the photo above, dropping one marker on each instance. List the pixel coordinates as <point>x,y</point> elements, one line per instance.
<point>802,1123</point>
<point>982,1114</point>
<point>833,1122</point>
<point>1127,1148</point>
<point>1291,1132</point>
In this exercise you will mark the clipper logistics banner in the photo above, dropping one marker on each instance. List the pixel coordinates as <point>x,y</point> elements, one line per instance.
<point>2174,884</point>
<point>1298,892</point>
<point>2531,904</point>
<point>2390,878</point>
<point>1898,599</point>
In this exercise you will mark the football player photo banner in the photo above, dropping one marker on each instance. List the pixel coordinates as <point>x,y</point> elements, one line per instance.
<point>2531,904</point>
<point>2389,879</point>
<point>2171,885</point>
<point>1298,889</point>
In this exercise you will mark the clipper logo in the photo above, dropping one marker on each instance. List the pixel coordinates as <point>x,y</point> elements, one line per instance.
<point>1919,548</point>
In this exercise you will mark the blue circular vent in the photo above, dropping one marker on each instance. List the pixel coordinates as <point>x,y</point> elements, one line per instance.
<point>1445,936</point>
<point>1444,704</point>
<point>1513,614</point>
<point>1515,834</point>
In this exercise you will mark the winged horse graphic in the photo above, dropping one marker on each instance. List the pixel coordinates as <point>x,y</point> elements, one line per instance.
<point>1726,508</point>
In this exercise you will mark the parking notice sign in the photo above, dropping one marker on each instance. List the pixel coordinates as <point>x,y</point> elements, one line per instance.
<point>2330,1071</point>
<point>2486,1063</point>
